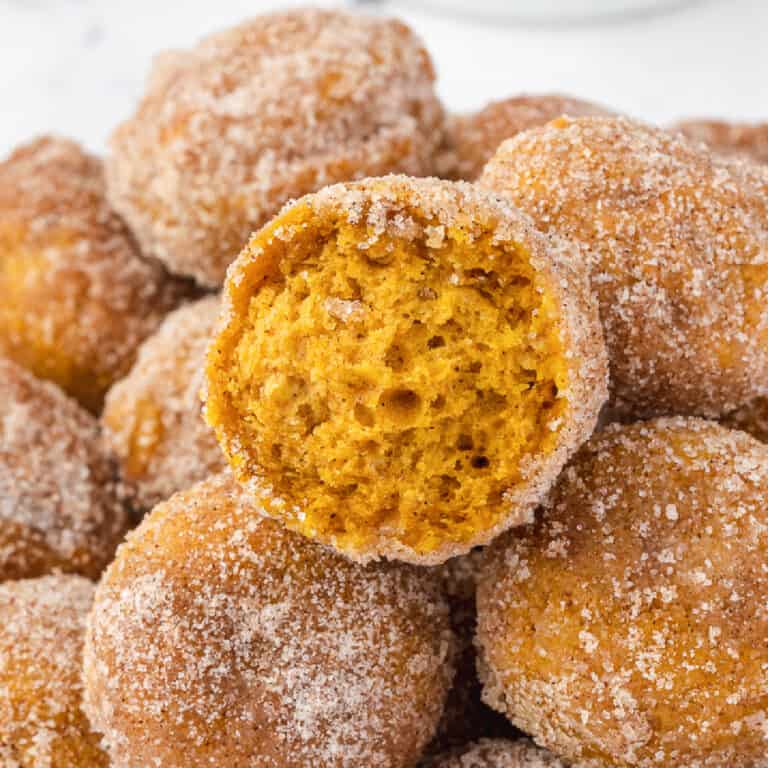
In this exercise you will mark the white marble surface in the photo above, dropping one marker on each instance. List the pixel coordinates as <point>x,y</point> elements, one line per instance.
<point>76,67</point>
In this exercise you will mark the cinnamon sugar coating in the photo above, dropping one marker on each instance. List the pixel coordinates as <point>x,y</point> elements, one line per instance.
<point>627,626</point>
<point>498,753</point>
<point>77,296</point>
<point>471,140</point>
<point>219,638</point>
<point>466,718</point>
<point>59,505</point>
<point>276,107</point>
<point>748,141</point>
<point>407,364</point>
<point>152,418</point>
<point>676,242</point>
<point>42,625</point>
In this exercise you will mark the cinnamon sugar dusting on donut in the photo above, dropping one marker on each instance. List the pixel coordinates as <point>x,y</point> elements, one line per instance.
<point>262,113</point>
<point>42,625</point>
<point>59,505</point>
<point>471,140</point>
<point>466,718</point>
<point>77,296</point>
<point>748,141</point>
<point>626,626</point>
<point>219,638</point>
<point>152,417</point>
<point>677,243</point>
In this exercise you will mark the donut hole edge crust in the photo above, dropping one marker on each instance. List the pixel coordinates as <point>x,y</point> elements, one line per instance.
<point>405,363</point>
<point>262,113</point>
<point>77,295</point>
<point>748,141</point>
<point>42,628</point>
<point>675,238</point>
<point>61,504</point>
<point>624,628</point>
<point>472,139</point>
<point>218,637</point>
<point>152,418</point>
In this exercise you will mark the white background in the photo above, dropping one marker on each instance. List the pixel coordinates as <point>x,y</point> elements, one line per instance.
<point>76,67</point>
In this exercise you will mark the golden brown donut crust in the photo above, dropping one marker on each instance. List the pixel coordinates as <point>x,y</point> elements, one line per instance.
<point>267,111</point>
<point>42,625</point>
<point>675,241</point>
<point>152,418</point>
<point>747,141</point>
<point>471,140</point>
<point>219,638</point>
<point>59,503</point>
<point>77,297</point>
<point>627,626</point>
<point>397,215</point>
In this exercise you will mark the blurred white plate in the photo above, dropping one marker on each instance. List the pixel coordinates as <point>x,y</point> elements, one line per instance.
<point>550,10</point>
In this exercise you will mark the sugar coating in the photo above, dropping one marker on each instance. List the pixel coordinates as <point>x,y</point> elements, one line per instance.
<point>676,241</point>
<point>475,246</point>
<point>472,139</point>
<point>252,117</point>
<point>77,296</point>
<point>219,638</point>
<point>626,627</point>
<point>42,725</point>
<point>466,718</point>
<point>748,141</point>
<point>498,753</point>
<point>152,418</point>
<point>60,504</point>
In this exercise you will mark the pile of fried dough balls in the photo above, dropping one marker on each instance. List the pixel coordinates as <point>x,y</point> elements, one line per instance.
<point>457,464</point>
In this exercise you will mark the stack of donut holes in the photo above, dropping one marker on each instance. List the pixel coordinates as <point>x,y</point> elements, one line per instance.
<point>338,431</point>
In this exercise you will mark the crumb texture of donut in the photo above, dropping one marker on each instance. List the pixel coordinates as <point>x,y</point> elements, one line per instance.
<point>497,753</point>
<point>42,626</point>
<point>676,241</point>
<point>60,506</point>
<point>220,638</point>
<point>153,417</point>
<point>260,114</point>
<point>627,626</point>
<point>77,296</point>
<point>395,361</point>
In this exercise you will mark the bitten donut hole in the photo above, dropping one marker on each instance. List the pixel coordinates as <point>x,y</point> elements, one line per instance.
<point>457,436</point>
<point>379,359</point>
